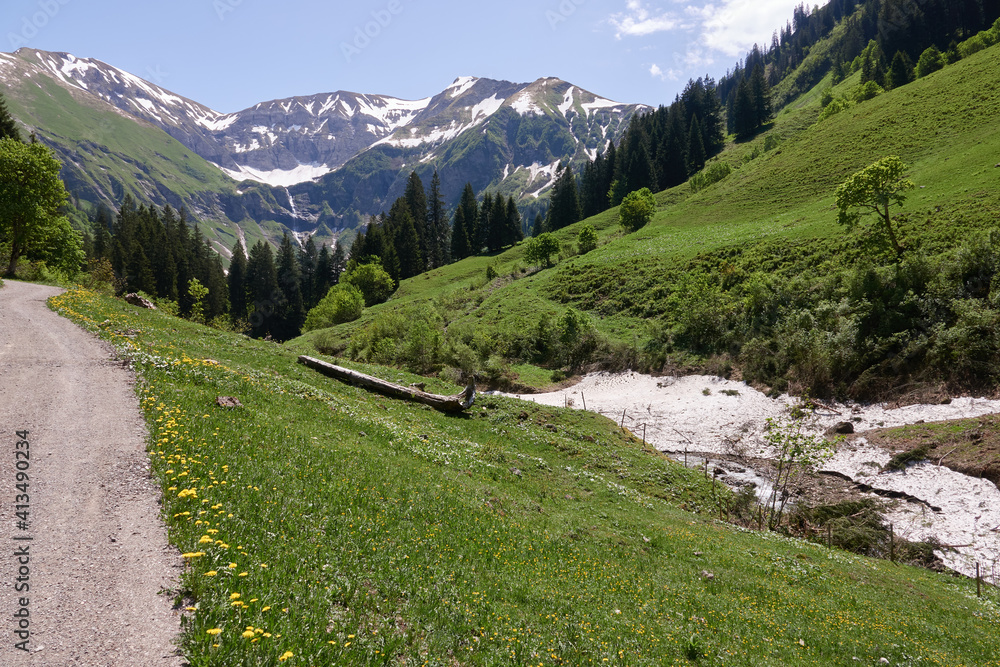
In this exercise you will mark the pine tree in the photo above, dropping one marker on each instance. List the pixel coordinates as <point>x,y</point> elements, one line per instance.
<point>901,70</point>
<point>696,147</point>
<point>291,316</point>
<point>495,231</point>
<point>405,240</point>
<point>564,204</point>
<point>744,113</point>
<point>437,222</point>
<point>760,93</point>
<point>8,126</point>
<point>236,282</point>
<point>307,273</point>
<point>263,294</point>
<point>470,209</point>
<point>416,201</point>
<point>512,228</point>
<point>323,279</point>
<point>483,224</point>
<point>459,236</point>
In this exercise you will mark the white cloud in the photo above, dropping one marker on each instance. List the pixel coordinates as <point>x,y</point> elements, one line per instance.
<point>637,21</point>
<point>732,27</point>
<point>670,75</point>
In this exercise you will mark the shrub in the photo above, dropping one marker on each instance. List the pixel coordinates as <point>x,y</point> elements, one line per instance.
<point>539,249</point>
<point>930,61</point>
<point>587,240</point>
<point>343,303</point>
<point>866,91</point>
<point>375,284</point>
<point>637,209</point>
<point>713,173</point>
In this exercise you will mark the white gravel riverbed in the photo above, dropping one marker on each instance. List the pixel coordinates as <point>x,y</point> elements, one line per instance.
<point>695,413</point>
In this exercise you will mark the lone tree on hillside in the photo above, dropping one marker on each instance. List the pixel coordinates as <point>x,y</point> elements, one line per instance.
<point>636,210</point>
<point>872,190</point>
<point>540,249</point>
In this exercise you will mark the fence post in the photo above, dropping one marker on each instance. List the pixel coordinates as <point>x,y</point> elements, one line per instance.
<point>829,536</point>
<point>892,543</point>
<point>584,397</point>
<point>979,580</point>
<point>622,426</point>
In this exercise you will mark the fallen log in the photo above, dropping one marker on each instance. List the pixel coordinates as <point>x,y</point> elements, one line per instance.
<point>457,403</point>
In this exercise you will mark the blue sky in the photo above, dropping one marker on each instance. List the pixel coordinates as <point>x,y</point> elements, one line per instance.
<point>231,54</point>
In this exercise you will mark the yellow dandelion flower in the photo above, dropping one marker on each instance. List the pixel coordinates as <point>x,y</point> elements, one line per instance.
<point>267,608</point>
<point>232,566</point>
<point>205,539</point>
<point>234,596</point>
<point>285,656</point>
<point>214,631</point>
<point>243,574</point>
<point>211,573</point>
<point>196,554</point>
<point>247,634</point>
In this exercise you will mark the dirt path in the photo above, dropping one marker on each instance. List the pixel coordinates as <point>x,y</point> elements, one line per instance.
<point>98,562</point>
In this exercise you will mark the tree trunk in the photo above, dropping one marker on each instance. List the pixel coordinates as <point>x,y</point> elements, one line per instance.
<point>457,403</point>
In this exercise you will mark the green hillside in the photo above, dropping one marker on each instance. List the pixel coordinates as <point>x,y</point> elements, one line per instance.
<point>107,155</point>
<point>684,289</point>
<point>323,525</point>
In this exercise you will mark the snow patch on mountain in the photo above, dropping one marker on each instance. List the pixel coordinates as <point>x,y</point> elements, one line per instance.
<point>567,102</point>
<point>279,177</point>
<point>487,107</point>
<point>461,85</point>
<point>599,103</point>
<point>524,104</point>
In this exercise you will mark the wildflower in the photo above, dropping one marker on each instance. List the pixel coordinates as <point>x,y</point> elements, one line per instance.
<point>285,656</point>
<point>211,573</point>
<point>214,631</point>
<point>247,634</point>
<point>196,554</point>
<point>234,596</point>
<point>205,539</point>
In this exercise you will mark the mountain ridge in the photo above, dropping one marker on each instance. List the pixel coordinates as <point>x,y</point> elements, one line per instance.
<point>314,163</point>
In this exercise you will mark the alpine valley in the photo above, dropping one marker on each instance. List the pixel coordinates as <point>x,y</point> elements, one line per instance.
<point>317,164</point>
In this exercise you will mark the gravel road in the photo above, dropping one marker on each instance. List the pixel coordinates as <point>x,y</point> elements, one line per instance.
<point>98,564</point>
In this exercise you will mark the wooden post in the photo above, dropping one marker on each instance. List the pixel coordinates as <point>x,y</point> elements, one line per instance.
<point>584,397</point>
<point>622,426</point>
<point>979,581</point>
<point>829,536</point>
<point>685,456</point>
<point>644,436</point>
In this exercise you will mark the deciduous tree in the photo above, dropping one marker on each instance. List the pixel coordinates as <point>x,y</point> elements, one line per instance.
<point>872,191</point>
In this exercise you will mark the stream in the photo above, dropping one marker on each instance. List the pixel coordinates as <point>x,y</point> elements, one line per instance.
<point>705,415</point>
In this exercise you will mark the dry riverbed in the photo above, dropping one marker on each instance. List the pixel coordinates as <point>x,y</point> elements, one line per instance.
<point>702,415</point>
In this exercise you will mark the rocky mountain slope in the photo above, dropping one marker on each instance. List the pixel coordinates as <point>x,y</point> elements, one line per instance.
<point>320,162</point>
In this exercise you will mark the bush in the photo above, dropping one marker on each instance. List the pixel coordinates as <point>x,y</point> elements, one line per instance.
<point>539,249</point>
<point>713,173</point>
<point>834,107</point>
<point>867,91</point>
<point>587,240</point>
<point>636,210</point>
<point>343,303</point>
<point>930,61</point>
<point>375,284</point>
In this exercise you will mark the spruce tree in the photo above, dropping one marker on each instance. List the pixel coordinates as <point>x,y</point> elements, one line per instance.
<point>470,207</point>
<point>696,147</point>
<point>745,115</point>
<point>406,240</point>
<point>564,204</point>
<point>761,95</point>
<point>483,225</point>
<point>323,278</point>
<point>459,236</point>
<point>901,70</point>
<point>307,273</point>
<point>292,315</point>
<point>416,201</point>
<point>495,235</point>
<point>8,126</point>
<point>512,228</point>
<point>437,222</point>
<point>236,282</point>
<point>263,294</point>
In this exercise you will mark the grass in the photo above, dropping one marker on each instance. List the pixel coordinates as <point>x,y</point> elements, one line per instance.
<point>324,525</point>
<point>774,213</point>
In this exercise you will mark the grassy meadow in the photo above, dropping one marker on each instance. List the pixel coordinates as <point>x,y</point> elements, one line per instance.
<point>322,525</point>
<point>772,221</point>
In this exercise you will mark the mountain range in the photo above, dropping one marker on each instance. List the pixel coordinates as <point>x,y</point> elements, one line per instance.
<point>315,164</point>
